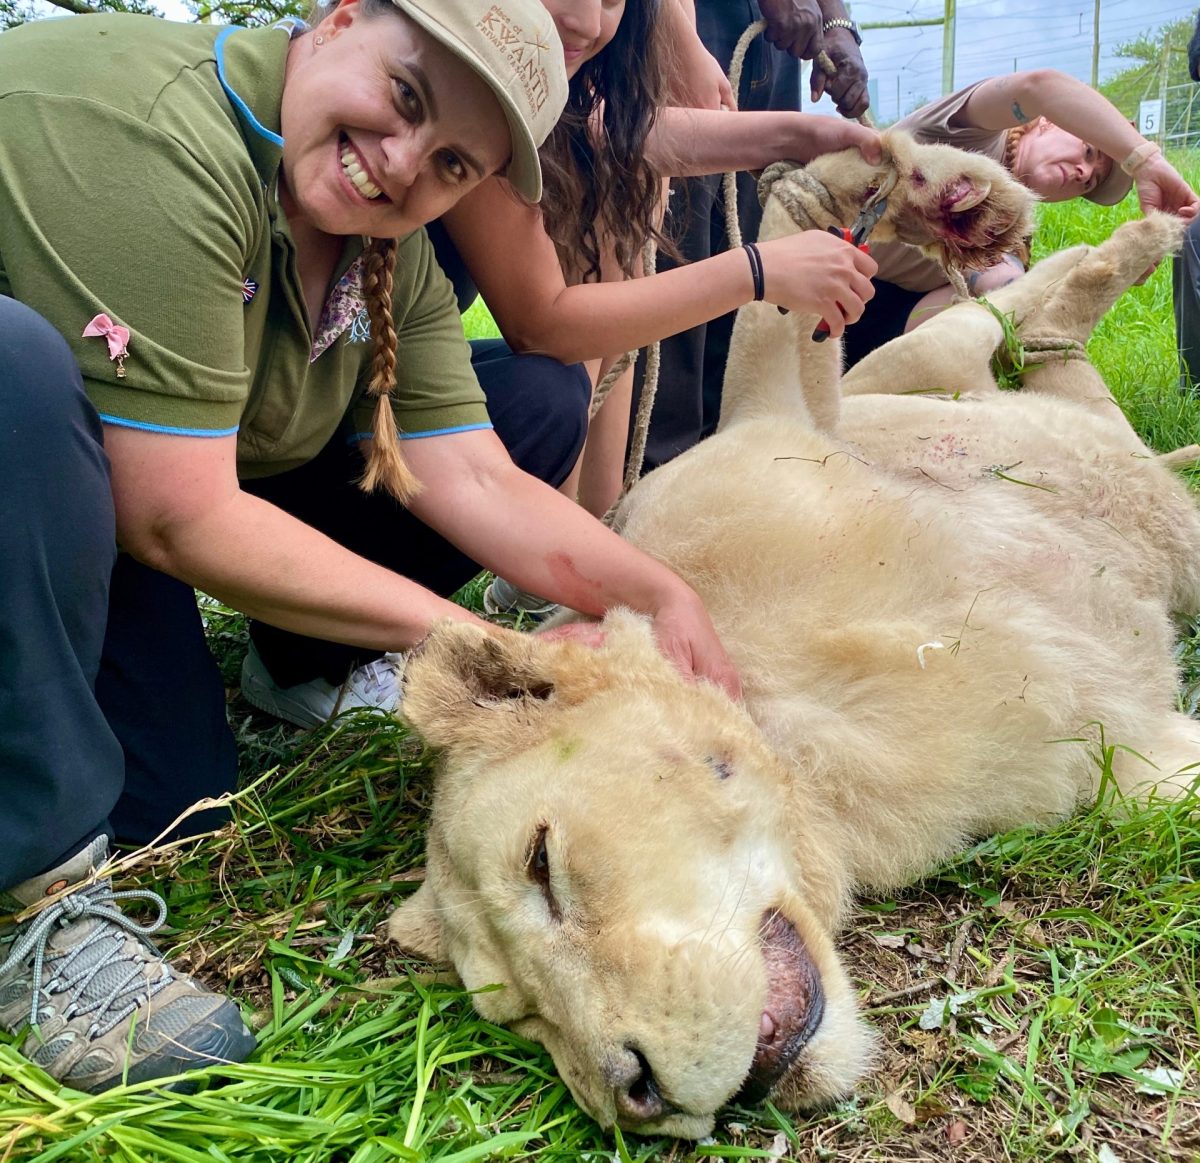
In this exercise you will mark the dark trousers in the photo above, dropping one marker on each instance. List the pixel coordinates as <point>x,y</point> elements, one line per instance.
<point>539,409</point>
<point>112,711</point>
<point>885,319</point>
<point>1185,279</point>
<point>688,403</point>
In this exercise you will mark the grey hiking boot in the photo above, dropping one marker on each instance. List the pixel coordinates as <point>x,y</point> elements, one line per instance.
<point>374,686</point>
<point>103,1005</point>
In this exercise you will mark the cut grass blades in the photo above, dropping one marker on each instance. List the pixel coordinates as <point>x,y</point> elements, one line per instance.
<point>1056,971</point>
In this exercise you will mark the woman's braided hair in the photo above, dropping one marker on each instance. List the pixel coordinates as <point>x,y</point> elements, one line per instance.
<point>1012,139</point>
<point>386,467</point>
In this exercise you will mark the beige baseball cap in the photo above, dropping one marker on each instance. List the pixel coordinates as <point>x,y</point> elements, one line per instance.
<point>1113,188</point>
<point>513,46</point>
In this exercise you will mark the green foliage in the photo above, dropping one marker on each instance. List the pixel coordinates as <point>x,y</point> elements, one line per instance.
<point>14,12</point>
<point>1159,59</point>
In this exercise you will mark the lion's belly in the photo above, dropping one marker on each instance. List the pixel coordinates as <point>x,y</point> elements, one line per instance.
<point>909,640</point>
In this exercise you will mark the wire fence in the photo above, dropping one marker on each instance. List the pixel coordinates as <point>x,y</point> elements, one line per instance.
<point>1180,127</point>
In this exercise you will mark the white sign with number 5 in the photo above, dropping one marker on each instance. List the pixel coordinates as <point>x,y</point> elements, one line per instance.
<point>1150,117</point>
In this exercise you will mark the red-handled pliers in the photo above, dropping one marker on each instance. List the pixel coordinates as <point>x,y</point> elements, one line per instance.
<point>856,235</point>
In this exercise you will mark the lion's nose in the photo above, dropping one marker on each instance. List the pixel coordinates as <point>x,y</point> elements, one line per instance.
<point>636,1093</point>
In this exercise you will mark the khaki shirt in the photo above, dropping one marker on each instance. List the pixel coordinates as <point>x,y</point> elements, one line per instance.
<point>138,171</point>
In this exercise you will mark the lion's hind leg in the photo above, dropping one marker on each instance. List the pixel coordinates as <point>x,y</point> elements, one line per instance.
<point>1066,295</point>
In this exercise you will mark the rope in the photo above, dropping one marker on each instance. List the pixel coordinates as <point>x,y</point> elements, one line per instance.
<point>641,424</point>
<point>1050,347</point>
<point>605,386</point>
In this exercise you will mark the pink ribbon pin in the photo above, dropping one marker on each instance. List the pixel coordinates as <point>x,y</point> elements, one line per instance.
<point>117,336</point>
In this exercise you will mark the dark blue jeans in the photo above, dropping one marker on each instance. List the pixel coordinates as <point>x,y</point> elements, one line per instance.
<point>1185,278</point>
<point>539,409</point>
<point>112,710</point>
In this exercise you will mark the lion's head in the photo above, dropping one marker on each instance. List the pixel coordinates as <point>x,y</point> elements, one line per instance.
<point>618,851</point>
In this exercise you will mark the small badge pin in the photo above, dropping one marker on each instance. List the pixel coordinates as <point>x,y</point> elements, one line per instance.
<point>249,290</point>
<point>116,336</point>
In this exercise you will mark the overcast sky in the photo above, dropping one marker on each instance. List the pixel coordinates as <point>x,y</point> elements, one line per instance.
<point>993,34</point>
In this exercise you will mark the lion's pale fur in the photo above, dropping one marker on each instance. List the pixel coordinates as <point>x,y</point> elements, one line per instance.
<point>942,610</point>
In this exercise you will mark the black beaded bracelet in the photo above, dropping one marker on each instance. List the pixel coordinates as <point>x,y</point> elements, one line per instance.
<point>756,270</point>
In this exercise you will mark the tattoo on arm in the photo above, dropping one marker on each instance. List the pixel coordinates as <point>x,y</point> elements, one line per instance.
<point>1019,113</point>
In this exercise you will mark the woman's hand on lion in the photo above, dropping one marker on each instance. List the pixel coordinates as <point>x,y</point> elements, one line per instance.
<point>685,635</point>
<point>1160,187</point>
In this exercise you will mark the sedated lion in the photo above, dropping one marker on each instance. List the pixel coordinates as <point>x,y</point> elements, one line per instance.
<point>937,602</point>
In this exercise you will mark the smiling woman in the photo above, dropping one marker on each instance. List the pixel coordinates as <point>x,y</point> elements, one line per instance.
<point>215,295</point>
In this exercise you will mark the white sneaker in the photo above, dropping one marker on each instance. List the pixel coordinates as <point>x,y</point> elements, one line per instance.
<point>502,597</point>
<point>375,686</point>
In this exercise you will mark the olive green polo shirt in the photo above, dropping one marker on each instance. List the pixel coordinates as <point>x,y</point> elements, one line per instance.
<point>138,169</point>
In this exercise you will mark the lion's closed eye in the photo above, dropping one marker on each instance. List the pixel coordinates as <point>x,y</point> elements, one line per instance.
<point>537,867</point>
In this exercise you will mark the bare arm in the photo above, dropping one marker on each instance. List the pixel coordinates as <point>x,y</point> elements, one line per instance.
<point>688,142</point>
<point>533,535</point>
<point>180,510</point>
<point>1002,102</point>
<point>516,268</point>
<point>697,80</point>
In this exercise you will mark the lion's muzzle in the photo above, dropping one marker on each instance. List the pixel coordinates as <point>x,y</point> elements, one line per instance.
<point>794,1007</point>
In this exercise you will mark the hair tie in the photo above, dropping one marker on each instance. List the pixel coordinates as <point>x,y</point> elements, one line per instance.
<point>756,270</point>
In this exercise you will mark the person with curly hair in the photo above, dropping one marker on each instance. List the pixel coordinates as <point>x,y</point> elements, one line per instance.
<point>561,278</point>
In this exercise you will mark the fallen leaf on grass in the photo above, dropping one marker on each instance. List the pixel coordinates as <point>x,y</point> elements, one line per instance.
<point>1160,1079</point>
<point>901,1108</point>
<point>956,1132</point>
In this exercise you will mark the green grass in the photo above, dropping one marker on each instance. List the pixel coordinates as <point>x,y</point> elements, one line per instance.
<point>1063,966</point>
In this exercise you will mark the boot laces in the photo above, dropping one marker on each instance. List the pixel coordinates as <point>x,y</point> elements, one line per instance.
<point>106,980</point>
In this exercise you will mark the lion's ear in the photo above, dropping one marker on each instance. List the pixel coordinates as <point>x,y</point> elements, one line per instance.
<point>469,689</point>
<point>417,928</point>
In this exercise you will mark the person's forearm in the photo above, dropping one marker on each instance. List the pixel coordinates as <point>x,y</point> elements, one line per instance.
<point>1072,106</point>
<point>687,143</point>
<point>687,9</point>
<point>593,320</point>
<point>258,559</point>
<point>833,9</point>
<point>532,535</point>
